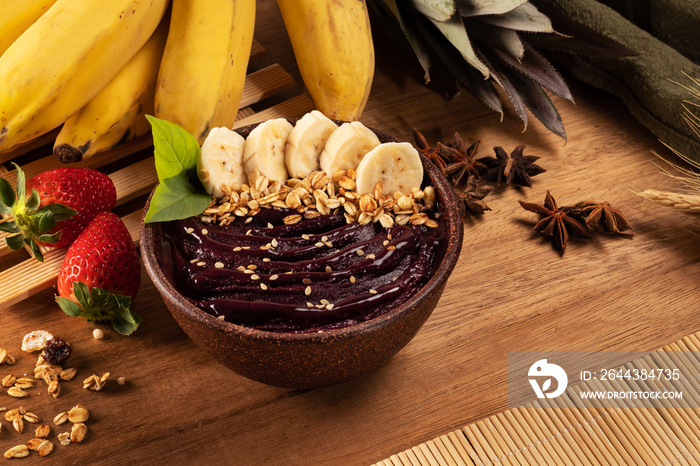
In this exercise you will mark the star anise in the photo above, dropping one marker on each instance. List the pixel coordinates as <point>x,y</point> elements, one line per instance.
<point>515,169</point>
<point>430,153</point>
<point>600,216</point>
<point>471,200</point>
<point>462,159</point>
<point>555,223</point>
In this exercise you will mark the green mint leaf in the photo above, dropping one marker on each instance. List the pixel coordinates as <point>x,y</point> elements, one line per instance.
<point>15,242</point>
<point>21,184</point>
<point>69,307</point>
<point>175,150</point>
<point>175,199</point>
<point>7,196</point>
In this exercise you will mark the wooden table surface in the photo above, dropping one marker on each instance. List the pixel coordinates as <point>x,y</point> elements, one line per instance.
<point>510,291</point>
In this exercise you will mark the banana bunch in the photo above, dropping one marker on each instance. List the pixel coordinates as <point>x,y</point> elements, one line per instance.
<point>97,68</point>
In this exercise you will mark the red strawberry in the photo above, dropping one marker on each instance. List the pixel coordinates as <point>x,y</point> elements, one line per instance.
<point>61,204</point>
<point>101,274</point>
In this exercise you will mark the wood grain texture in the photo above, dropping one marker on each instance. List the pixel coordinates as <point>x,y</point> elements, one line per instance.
<point>510,291</point>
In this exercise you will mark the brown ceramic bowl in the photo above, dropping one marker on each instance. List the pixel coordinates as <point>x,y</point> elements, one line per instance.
<point>309,360</point>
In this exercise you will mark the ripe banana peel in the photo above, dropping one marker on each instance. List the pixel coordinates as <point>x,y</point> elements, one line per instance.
<point>333,47</point>
<point>16,16</point>
<point>117,114</point>
<point>204,64</point>
<point>65,58</point>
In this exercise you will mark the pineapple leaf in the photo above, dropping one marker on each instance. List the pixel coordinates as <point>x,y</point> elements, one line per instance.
<point>487,7</point>
<point>454,31</point>
<point>439,10</point>
<point>513,94</point>
<point>526,17</point>
<point>537,101</point>
<point>505,40</point>
<point>453,60</point>
<point>536,67</point>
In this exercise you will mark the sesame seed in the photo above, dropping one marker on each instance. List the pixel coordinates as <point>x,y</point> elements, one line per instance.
<point>189,230</point>
<point>386,241</point>
<point>394,279</point>
<point>248,271</point>
<point>274,277</point>
<point>319,244</point>
<point>254,277</point>
<point>306,281</point>
<point>245,248</point>
<point>249,219</point>
<point>249,232</point>
<point>360,252</point>
<point>352,279</point>
<point>269,225</point>
<point>307,291</point>
<point>240,268</point>
<point>219,265</point>
<point>388,236</point>
<point>193,261</point>
<point>205,231</point>
<point>221,317</point>
<point>373,291</point>
<point>325,301</point>
<point>305,236</point>
<point>391,248</point>
<point>266,259</point>
<point>320,306</point>
<point>324,239</point>
<point>330,306</point>
<point>201,263</point>
<point>263,286</point>
<point>274,243</point>
<point>328,244</point>
<point>237,249</point>
<point>252,267</point>
<point>328,269</point>
<point>308,304</point>
<point>370,256</point>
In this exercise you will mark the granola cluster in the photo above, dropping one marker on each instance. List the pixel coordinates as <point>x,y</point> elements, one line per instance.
<point>321,194</point>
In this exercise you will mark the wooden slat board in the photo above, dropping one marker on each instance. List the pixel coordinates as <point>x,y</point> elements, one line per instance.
<point>135,179</point>
<point>561,431</point>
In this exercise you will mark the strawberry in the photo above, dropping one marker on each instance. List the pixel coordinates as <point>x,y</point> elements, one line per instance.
<point>60,205</point>
<point>101,274</point>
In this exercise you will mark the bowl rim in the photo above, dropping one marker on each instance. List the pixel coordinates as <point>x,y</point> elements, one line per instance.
<point>453,224</point>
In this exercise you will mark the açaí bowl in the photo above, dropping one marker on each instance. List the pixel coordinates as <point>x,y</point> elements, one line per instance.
<point>309,360</point>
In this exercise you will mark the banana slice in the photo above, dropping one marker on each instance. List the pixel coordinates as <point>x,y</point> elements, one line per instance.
<point>306,142</point>
<point>265,147</point>
<point>396,164</point>
<point>220,162</point>
<point>346,146</point>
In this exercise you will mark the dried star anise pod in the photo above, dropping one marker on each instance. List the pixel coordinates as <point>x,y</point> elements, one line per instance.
<point>430,153</point>
<point>600,216</point>
<point>471,200</point>
<point>461,158</point>
<point>515,169</point>
<point>555,223</point>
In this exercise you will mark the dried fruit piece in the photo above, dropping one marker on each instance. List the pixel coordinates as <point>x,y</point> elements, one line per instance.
<point>18,451</point>
<point>35,341</point>
<point>42,431</point>
<point>56,351</point>
<point>78,432</point>
<point>78,414</point>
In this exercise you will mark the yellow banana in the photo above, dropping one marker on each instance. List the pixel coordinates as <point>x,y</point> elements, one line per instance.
<point>17,16</point>
<point>65,58</point>
<point>118,113</point>
<point>332,43</point>
<point>204,64</point>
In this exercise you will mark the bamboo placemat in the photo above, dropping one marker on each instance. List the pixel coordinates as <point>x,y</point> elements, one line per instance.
<point>558,431</point>
<point>134,175</point>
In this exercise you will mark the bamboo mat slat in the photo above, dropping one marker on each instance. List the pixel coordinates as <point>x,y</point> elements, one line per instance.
<point>564,431</point>
<point>137,174</point>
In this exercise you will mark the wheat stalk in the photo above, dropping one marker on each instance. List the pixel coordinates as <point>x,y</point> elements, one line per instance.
<point>681,201</point>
